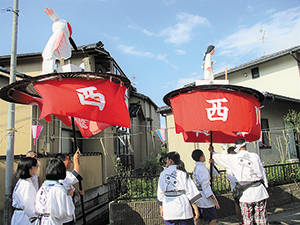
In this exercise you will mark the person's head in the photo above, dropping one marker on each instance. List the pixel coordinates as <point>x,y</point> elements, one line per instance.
<point>230,150</point>
<point>198,155</point>
<point>26,168</point>
<point>32,154</point>
<point>55,170</point>
<point>173,158</point>
<point>65,158</point>
<point>241,142</point>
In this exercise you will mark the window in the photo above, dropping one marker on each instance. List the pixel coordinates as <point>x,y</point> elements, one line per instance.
<point>255,73</point>
<point>122,148</point>
<point>265,136</point>
<point>67,141</point>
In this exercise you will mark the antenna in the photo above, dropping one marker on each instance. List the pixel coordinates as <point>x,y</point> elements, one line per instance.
<point>263,38</point>
<point>133,80</point>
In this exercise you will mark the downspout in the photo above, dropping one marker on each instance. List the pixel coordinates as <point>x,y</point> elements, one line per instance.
<point>146,133</point>
<point>295,133</point>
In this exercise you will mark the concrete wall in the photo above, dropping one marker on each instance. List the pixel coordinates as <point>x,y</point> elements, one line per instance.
<point>148,213</point>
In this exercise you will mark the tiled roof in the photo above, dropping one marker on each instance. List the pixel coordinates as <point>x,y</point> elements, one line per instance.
<point>260,60</point>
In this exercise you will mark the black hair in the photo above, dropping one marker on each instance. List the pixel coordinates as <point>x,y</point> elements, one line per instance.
<point>208,50</point>
<point>31,153</point>
<point>196,154</point>
<point>24,165</point>
<point>61,156</point>
<point>239,141</point>
<point>230,149</point>
<point>55,170</point>
<point>176,159</point>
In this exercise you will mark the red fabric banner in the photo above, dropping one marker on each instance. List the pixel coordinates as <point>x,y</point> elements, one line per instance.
<point>89,128</point>
<point>228,114</point>
<point>96,99</point>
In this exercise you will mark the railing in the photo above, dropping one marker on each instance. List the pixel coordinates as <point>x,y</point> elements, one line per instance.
<point>145,187</point>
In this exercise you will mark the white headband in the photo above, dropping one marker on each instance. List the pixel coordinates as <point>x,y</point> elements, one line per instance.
<point>238,147</point>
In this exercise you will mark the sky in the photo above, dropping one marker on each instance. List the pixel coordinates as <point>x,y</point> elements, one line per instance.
<point>160,44</point>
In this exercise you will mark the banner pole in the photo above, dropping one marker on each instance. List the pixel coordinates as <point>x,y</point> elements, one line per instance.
<point>211,156</point>
<point>80,184</point>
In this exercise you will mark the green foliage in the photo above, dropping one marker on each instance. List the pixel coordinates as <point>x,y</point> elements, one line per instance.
<point>151,166</point>
<point>293,119</point>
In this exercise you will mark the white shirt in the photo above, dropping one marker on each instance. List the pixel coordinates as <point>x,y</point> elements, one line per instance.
<point>35,181</point>
<point>202,181</point>
<point>68,183</point>
<point>231,178</point>
<point>52,198</point>
<point>246,166</point>
<point>177,207</point>
<point>23,198</point>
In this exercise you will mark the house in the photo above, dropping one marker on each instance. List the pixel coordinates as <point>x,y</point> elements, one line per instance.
<point>99,152</point>
<point>277,77</point>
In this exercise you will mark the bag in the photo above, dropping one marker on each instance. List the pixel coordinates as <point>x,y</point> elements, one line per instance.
<point>237,192</point>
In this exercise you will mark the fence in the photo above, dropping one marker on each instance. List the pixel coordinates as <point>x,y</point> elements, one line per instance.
<point>145,187</point>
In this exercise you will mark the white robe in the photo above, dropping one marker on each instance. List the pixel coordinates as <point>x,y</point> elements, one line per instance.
<point>202,181</point>
<point>231,178</point>
<point>178,207</point>
<point>208,74</point>
<point>246,166</point>
<point>52,199</point>
<point>68,183</point>
<point>23,198</point>
<point>35,181</point>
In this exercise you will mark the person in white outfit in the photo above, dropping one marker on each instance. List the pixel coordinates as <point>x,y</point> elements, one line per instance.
<point>177,193</point>
<point>247,169</point>
<point>53,202</point>
<point>233,181</point>
<point>208,203</point>
<point>71,179</point>
<point>23,198</point>
<point>34,178</point>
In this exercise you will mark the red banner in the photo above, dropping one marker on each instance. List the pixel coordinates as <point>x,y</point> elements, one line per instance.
<point>95,99</point>
<point>89,128</point>
<point>228,114</point>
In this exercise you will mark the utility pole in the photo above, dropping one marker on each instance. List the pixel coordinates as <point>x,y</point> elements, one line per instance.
<point>11,123</point>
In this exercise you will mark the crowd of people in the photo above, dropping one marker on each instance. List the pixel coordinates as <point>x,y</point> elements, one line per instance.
<point>53,201</point>
<point>184,201</point>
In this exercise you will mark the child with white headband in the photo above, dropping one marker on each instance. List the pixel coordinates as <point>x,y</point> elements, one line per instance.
<point>247,168</point>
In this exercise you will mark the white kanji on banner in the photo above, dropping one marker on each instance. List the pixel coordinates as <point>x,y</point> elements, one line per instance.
<point>217,112</point>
